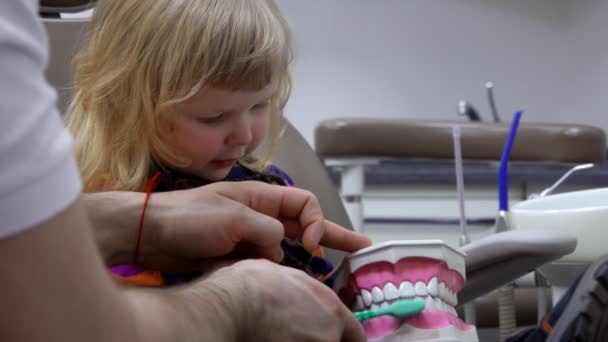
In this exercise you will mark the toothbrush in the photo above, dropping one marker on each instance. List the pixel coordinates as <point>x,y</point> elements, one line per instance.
<point>401,309</point>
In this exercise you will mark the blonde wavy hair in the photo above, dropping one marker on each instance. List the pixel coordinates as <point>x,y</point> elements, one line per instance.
<point>142,56</point>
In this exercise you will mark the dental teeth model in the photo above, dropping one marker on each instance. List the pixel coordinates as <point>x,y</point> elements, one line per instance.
<point>426,270</point>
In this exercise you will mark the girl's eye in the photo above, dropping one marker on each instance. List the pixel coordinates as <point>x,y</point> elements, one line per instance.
<point>261,106</point>
<point>211,119</point>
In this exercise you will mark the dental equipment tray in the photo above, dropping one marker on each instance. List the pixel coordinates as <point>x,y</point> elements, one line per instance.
<point>501,258</point>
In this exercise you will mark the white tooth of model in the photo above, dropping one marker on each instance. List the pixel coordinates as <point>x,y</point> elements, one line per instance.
<point>406,290</point>
<point>454,299</point>
<point>439,304</point>
<point>421,289</point>
<point>377,295</point>
<point>390,292</point>
<point>432,287</point>
<point>359,304</point>
<point>442,291</point>
<point>367,297</point>
<point>429,304</point>
<point>446,307</point>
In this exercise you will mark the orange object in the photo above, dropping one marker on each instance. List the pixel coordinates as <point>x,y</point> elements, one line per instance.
<point>547,328</point>
<point>318,252</point>
<point>146,278</point>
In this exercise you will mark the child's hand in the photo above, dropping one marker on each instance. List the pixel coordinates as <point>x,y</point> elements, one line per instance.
<point>186,228</point>
<point>297,210</point>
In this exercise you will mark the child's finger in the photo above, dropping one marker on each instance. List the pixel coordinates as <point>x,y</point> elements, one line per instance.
<point>340,238</point>
<point>327,234</point>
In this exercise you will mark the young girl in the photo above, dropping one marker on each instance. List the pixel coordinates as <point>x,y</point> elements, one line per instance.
<point>176,94</point>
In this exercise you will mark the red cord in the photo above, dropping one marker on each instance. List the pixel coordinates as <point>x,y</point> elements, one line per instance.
<point>149,188</point>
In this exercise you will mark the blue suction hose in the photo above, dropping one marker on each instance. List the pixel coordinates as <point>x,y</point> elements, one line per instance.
<point>503,176</point>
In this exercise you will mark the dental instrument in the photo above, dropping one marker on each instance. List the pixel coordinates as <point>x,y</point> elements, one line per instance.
<point>464,238</point>
<point>491,101</point>
<point>550,189</point>
<point>401,309</point>
<point>470,315</point>
<point>466,109</point>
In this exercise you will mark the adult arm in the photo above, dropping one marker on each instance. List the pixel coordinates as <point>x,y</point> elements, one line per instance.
<point>183,229</point>
<point>54,285</point>
<point>55,288</point>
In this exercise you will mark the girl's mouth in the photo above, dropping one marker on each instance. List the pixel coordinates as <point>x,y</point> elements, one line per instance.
<point>223,163</point>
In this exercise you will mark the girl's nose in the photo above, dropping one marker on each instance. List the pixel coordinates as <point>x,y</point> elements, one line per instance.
<point>241,133</point>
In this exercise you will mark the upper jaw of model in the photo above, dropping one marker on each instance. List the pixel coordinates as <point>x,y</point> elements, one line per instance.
<point>427,270</point>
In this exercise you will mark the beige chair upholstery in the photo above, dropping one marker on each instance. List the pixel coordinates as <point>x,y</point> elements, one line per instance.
<point>400,138</point>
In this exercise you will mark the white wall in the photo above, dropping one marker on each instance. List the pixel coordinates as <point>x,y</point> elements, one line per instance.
<point>417,58</point>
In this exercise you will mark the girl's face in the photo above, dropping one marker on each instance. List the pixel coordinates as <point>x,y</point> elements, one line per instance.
<point>216,127</point>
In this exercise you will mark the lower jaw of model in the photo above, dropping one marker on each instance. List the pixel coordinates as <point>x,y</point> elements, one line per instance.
<point>383,274</point>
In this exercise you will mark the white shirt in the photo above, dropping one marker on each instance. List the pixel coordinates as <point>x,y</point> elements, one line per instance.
<point>38,174</point>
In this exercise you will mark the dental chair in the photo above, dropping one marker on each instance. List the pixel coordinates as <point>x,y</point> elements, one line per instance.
<point>350,145</point>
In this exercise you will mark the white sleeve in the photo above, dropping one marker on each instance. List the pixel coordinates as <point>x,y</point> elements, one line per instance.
<point>38,174</point>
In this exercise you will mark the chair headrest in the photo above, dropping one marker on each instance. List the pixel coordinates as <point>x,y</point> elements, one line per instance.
<point>402,138</point>
<point>65,6</point>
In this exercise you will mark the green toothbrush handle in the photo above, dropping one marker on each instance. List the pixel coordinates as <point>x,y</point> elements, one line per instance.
<point>365,315</point>
<point>401,309</point>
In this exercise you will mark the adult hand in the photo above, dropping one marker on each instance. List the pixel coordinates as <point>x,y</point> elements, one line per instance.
<point>276,303</point>
<point>186,229</point>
